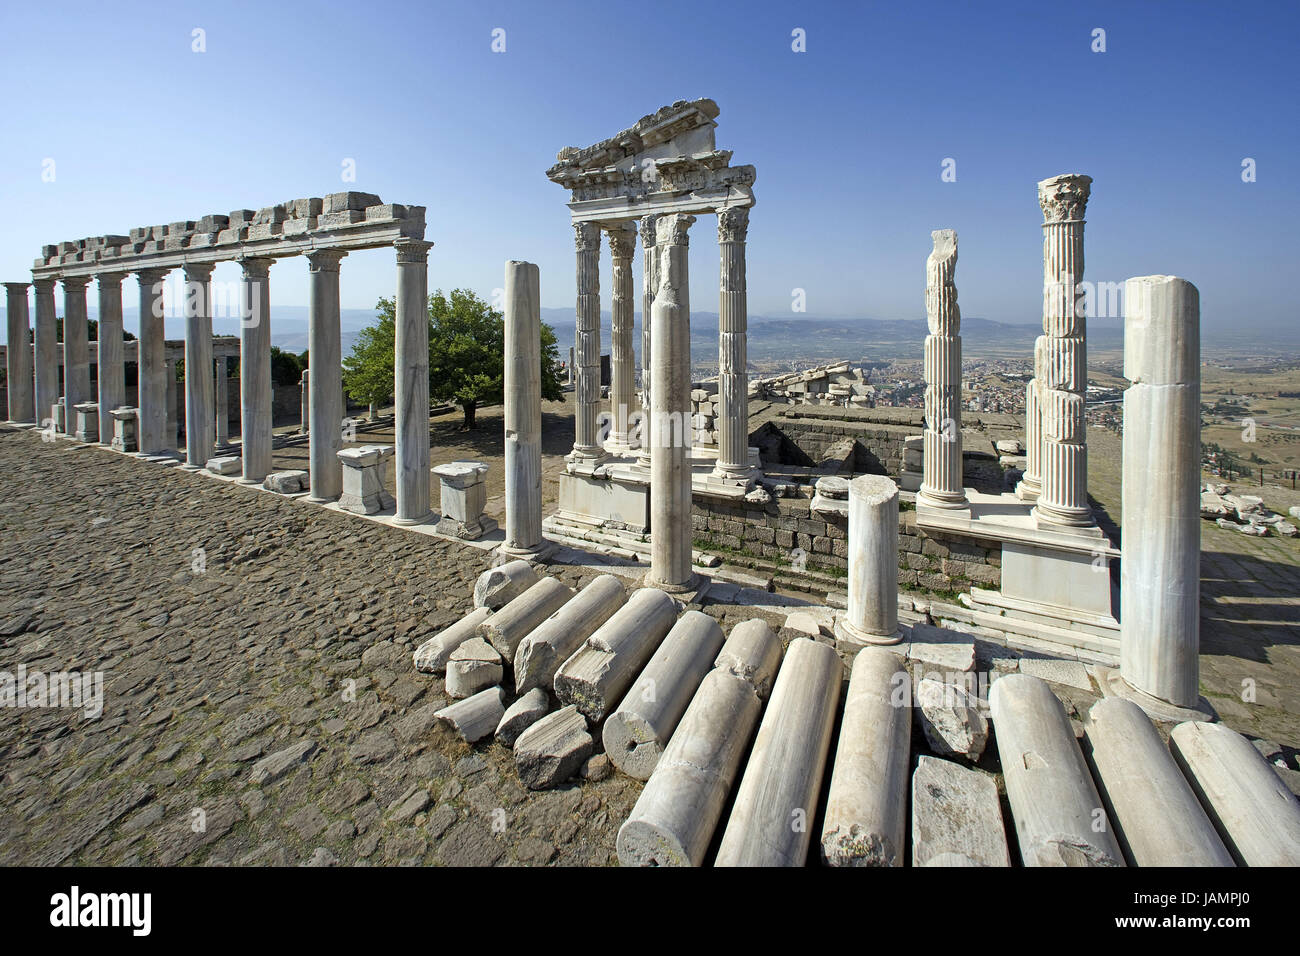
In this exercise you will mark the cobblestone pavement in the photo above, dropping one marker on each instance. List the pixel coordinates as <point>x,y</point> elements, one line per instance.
<point>299,628</point>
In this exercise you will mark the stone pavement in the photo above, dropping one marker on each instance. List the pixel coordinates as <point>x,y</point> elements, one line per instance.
<point>231,625</point>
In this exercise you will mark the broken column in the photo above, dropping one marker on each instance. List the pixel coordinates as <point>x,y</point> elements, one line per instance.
<point>111,358</point>
<point>941,485</point>
<point>622,391</point>
<point>475,717</point>
<point>223,403</point>
<point>539,655</point>
<point>587,452</point>
<point>1160,574</point>
<point>866,812</point>
<point>462,497</point>
<point>510,625</point>
<point>255,392</point>
<point>304,401</point>
<point>151,366</point>
<point>551,750</point>
<point>733,354</point>
<point>1063,373</point>
<point>18,355</point>
<point>639,729</point>
<point>523,411</point>
<point>502,583</point>
<point>649,285</point>
<point>1059,817</point>
<point>1158,820</point>
<point>872,616</point>
<point>599,673</point>
<point>198,365</point>
<point>76,353</point>
<point>670,392</point>
<point>771,821</point>
<point>956,816</point>
<point>675,817</point>
<point>411,385</point>
<point>432,656</point>
<point>323,404</point>
<point>46,343</point>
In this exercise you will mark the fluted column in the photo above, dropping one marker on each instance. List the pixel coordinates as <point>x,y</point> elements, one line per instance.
<point>1160,573</point>
<point>670,390</point>
<point>941,483</point>
<point>411,385</point>
<point>222,389</point>
<point>151,365</point>
<point>112,369</point>
<point>650,281</point>
<point>1063,378</point>
<point>523,411</point>
<point>46,332</point>
<point>622,390</point>
<point>18,355</point>
<point>586,436</point>
<point>76,350</point>
<point>1031,482</point>
<point>255,391</point>
<point>199,422</point>
<point>733,351</point>
<point>324,399</point>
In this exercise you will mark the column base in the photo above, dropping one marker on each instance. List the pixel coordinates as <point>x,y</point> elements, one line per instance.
<point>849,637</point>
<point>690,584</point>
<point>538,552</point>
<point>406,522</point>
<point>1113,684</point>
<point>1028,489</point>
<point>1044,514</point>
<point>745,474</point>
<point>945,500</point>
<point>186,466</point>
<point>323,499</point>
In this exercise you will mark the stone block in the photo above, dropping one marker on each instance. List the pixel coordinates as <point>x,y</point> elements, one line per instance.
<point>953,720</point>
<point>473,666</point>
<point>363,479</point>
<point>349,201</point>
<point>286,482</point>
<point>553,749</point>
<point>956,817</point>
<point>225,465</point>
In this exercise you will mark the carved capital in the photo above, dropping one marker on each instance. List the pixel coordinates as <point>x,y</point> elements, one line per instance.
<point>647,228</point>
<point>151,277</point>
<point>733,224</point>
<point>75,283</point>
<point>107,279</point>
<point>43,286</point>
<point>586,237</point>
<point>326,260</point>
<point>1064,198</point>
<point>622,239</point>
<point>198,271</point>
<point>256,267</point>
<point>17,288</point>
<point>412,251</point>
<point>670,230</point>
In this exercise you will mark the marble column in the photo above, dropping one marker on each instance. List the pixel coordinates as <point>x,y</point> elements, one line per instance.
<point>76,351</point>
<point>151,364</point>
<point>46,333</point>
<point>650,283</point>
<point>733,354</point>
<point>411,387</point>
<point>1031,482</point>
<point>112,368</point>
<point>587,451</point>
<point>222,389</point>
<point>872,616</point>
<point>324,398</point>
<point>1063,376</point>
<point>523,411</point>
<point>941,483</point>
<point>18,355</point>
<point>255,388</point>
<point>670,391</point>
<point>622,390</point>
<point>173,439</point>
<point>199,415</point>
<point>1160,573</point>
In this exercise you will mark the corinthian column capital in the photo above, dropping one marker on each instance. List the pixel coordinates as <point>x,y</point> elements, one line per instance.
<point>1064,198</point>
<point>586,236</point>
<point>670,229</point>
<point>647,228</point>
<point>733,224</point>
<point>325,260</point>
<point>622,239</point>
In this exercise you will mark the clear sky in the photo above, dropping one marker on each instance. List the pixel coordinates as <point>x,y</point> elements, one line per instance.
<point>848,137</point>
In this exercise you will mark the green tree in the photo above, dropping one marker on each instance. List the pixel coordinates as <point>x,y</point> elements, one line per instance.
<point>286,369</point>
<point>368,371</point>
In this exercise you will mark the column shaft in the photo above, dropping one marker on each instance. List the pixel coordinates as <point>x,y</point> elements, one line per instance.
<point>255,390</point>
<point>670,390</point>
<point>76,352</point>
<point>523,409</point>
<point>47,355</point>
<point>586,438</point>
<point>199,424</point>
<point>151,365</point>
<point>324,399</point>
<point>18,355</point>
<point>650,282</point>
<point>222,379</point>
<point>941,484</point>
<point>411,387</point>
<point>622,391</point>
<point>733,349</point>
<point>872,616</point>
<point>112,367</point>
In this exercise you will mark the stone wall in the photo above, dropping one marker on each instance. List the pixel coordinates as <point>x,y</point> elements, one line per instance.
<point>768,537</point>
<point>807,439</point>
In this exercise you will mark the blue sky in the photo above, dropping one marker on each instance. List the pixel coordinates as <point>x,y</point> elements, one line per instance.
<point>848,138</point>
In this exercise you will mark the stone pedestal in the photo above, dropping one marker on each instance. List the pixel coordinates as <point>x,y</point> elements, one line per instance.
<point>46,370</point>
<point>587,452</point>
<point>255,391</point>
<point>733,352</point>
<point>323,404</point>
<point>59,417</point>
<point>872,616</point>
<point>151,418</point>
<point>363,479</point>
<point>622,391</point>
<point>1062,374</point>
<point>463,497</point>
<point>941,483</point>
<point>87,421</point>
<point>112,367</point>
<point>199,416</point>
<point>670,390</point>
<point>76,352</point>
<point>411,388</point>
<point>1160,573</point>
<point>18,355</point>
<point>124,419</point>
<point>523,411</point>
